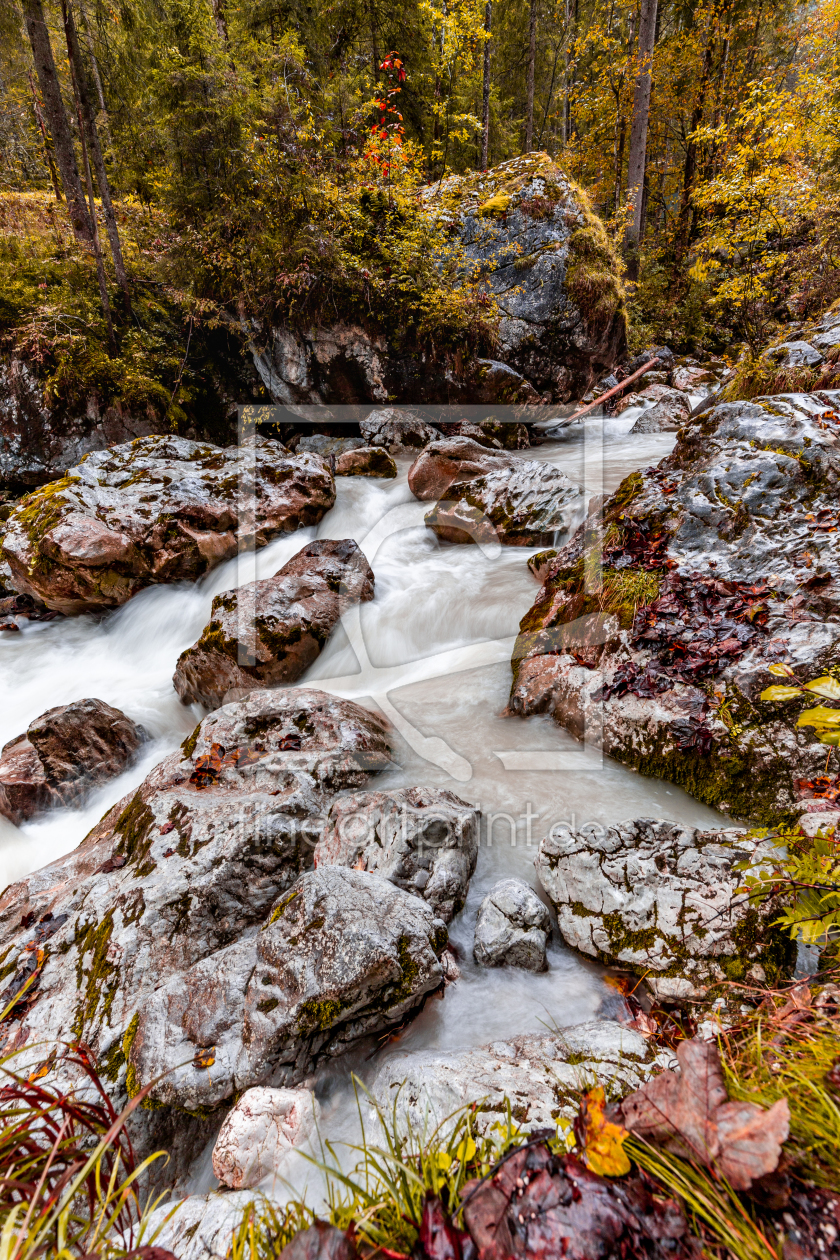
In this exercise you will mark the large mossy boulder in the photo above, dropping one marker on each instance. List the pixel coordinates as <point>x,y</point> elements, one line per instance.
<point>180,871</point>
<point>158,509</point>
<point>525,505</point>
<point>523,237</point>
<point>269,632</point>
<point>660,625</point>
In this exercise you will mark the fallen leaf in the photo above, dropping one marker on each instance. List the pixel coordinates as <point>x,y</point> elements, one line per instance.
<point>601,1141</point>
<point>690,1115</point>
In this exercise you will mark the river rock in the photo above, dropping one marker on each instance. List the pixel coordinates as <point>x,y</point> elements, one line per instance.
<point>451,460</point>
<point>718,563</point>
<point>201,1226</point>
<point>323,445</point>
<point>661,900</point>
<point>466,429</point>
<point>528,236</point>
<point>525,506</point>
<point>397,427</point>
<point>341,955</point>
<point>628,401</point>
<point>159,509</point>
<point>259,1132</point>
<point>65,753</point>
<point>541,1076</point>
<point>269,632</point>
<point>794,354</point>
<point>424,840</point>
<point>694,378</point>
<point>365,461</point>
<point>665,416</point>
<point>180,870</point>
<point>512,927</point>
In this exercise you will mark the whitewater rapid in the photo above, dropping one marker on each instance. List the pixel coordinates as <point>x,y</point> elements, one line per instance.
<point>432,651</point>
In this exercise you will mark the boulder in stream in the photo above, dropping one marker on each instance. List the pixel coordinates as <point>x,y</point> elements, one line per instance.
<point>719,568</point>
<point>63,755</point>
<point>541,1076</point>
<point>270,632</point>
<point>453,460</point>
<point>260,1131</point>
<point>180,871</point>
<point>661,900</point>
<point>342,955</point>
<point>523,506</point>
<point>512,927</point>
<point>159,509</point>
<point>397,427</point>
<point>424,840</point>
<point>667,414</point>
<point>365,461</point>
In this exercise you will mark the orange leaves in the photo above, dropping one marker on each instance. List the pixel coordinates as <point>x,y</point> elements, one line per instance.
<point>601,1141</point>
<point>209,767</point>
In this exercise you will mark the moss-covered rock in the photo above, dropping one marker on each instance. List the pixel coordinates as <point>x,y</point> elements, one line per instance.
<point>271,631</point>
<point>526,504</point>
<point>718,564</point>
<point>157,510</point>
<point>661,900</point>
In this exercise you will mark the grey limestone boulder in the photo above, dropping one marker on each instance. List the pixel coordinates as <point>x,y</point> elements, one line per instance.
<point>541,1076</point>
<point>523,506</point>
<point>425,840</point>
<point>512,927</point>
<point>397,427</point>
<point>365,461</point>
<point>454,460</point>
<point>663,901</point>
<point>667,414</point>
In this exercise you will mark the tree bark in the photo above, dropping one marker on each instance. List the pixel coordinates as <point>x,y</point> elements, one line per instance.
<point>485,98</point>
<point>690,168</point>
<point>93,148</point>
<point>59,125</point>
<point>94,65</point>
<point>97,249</point>
<point>532,60</point>
<point>48,153</point>
<point>637,157</point>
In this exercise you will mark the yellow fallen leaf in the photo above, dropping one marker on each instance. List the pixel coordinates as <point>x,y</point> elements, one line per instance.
<point>777,692</point>
<point>780,670</point>
<point>602,1141</point>
<point>821,716</point>
<point>826,686</point>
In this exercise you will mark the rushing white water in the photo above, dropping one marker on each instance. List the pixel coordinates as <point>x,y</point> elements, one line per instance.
<point>432,650</point>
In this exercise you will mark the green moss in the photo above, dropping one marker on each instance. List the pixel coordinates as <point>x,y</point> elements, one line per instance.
<point>592,271</point>
<point>132,1083</point>
<point>621,937</point>
<point>281,908</point>
<point>98,981</point>
<point>134,827</point>
<point>188,746</point>
<point>268,1004</point>
<point>318,1016</point>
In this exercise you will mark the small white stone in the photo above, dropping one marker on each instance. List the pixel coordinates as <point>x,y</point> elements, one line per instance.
<point>260,1131</point>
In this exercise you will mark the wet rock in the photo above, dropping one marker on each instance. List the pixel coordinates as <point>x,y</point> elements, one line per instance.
<point>792,354</point>
<point>424,840</point>
<point>693,378</point>
<point>261,1130</point>
<point>201,1226</point>
<point>540,562</point>
<point>511,437</point>
<point>525,506</point>
<point>628,401</point>
<point>181,869</point>
<point>159,509</point>
<point>65,753</point>
<point>512,928</point>
<point>530,238</point>
<point>365,461</point>
<point>540,1074</point>
<point>451,460</point>
<point>397,427</point>
<point>665,416</point>
<point>717,564</point>
<point>661,900</point>
<point>270,632</point>
<point>465,429</point>
<point>323,445</point>
<point>343,954</point>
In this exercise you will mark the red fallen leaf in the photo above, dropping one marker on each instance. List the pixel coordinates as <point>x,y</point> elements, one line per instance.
<point>438,1238</point>
<point>689,1114</point>
<point>166,828</point>
<point>543,1206</point>
<point>114,863</point>
<point>289,743</point>
<point>207,767</point>
<point>320,1242</point>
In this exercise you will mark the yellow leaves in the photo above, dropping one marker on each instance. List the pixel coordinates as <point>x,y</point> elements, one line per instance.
<point>602,1140</point>
<point>825,686</point>
<point>780,693</point>
<point>781,671</point>
<point>819,717</point>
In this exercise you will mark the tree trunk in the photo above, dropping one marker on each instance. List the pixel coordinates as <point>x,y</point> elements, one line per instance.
<point>97,249</point>
<point>485,98</point>
<point>532,59</point>
<point>93,148</point>
<point>62,137</point>
<point>48,153</point>
<point>638,134</point>
<point>690,168</point>
<point>94,64</point>
<point>220,20</point>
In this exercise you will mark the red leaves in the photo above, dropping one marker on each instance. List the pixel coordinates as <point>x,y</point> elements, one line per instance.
<point>690,1115</point>
<point>438,1238</point>
<point>546,1206</point>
